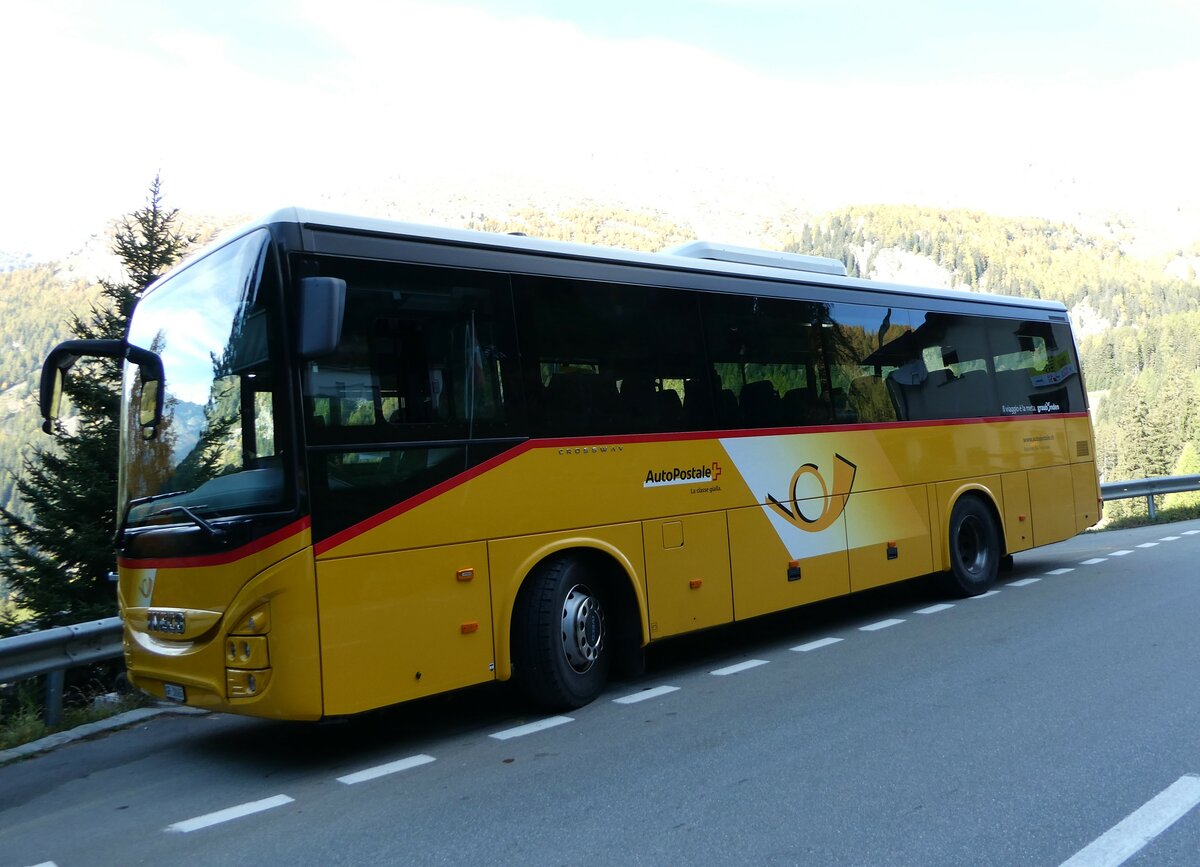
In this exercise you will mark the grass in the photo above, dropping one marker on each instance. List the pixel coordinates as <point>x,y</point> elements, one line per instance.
<point>1168,515</point>
<point>22,720</point>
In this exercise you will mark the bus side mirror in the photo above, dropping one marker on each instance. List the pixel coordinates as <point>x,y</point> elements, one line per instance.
<point>150,401</point>
<point>322,305</point>
<point>56,365</point>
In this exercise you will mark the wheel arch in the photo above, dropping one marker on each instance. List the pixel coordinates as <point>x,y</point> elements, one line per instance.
<point>615,572</point>
<point>987,496</point>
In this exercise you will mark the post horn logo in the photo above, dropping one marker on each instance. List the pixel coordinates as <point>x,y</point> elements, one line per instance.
<point>833,503</point>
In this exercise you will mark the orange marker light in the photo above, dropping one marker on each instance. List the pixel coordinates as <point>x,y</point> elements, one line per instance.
<point>470,626</point>
<point>464,574</point>
<point>695,583</point>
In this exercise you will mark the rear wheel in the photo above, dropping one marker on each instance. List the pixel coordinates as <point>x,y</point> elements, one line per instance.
<point>561,641</point>
<point>975,548</point>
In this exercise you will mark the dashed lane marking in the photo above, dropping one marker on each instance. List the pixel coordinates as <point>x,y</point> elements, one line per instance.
<point>882,624</point>
<point>1062,571</point>
<point>530,728</point>
<point>934,609</point>
<point>645,694</point>
<point>1024,582</point>
<point>229,814</point>
<point>1120,553</point>
<point>815,645</point>
<point>1094,561</point>
<point>1170,538</point>
<point>1148,545</point>
<point>985,595</point>
<point>741,666</point>
<point>383,770</point>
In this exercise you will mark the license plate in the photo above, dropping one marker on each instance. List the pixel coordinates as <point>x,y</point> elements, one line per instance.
<point>174,692</point>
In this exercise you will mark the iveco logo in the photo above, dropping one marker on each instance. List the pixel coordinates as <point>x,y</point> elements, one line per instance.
<point>170,622</point>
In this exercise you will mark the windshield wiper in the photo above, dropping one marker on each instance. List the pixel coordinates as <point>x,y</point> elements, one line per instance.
<point>139,501</point>
<point>210,530</point>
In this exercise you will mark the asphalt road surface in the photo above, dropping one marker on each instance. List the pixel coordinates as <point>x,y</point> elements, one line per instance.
<point>1053,721</point>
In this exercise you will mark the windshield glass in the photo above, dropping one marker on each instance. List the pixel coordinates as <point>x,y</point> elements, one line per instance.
<point>214,454</point>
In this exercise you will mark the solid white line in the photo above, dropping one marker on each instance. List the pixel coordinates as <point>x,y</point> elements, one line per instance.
<point>1126,838</point>
<point>646,694</point>
<point>540,725</point>
<point>229,814</point>
<point>934,609</point>
<point>1024,582</point>
<point>984,595</point>
<point>1059,571</point>
<point>1120,553</point>
<point>1148,545</point>
<point>741,666</point>
<point>384,770</point>
<point>1094,561</point>
<point>1169,539</point>
<point>882,624</point>
<point>815,645</point>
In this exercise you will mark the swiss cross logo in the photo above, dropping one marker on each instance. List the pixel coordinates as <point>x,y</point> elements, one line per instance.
<point>716,470</point>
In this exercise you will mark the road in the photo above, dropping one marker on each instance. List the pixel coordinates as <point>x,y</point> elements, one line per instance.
<point>1058,716</point>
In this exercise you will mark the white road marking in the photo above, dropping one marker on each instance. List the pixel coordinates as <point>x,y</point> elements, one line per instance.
<point>1126,838</point>
<point>1094,561</point>
<point>984,595</point>
<point>46,864</point>
<point>1170,539</point>
<point>882,624</point>
<point>1120,553</point>
<point>816,645</point>
<point>1190,532</point>
<point>383,770</point>
<point>741,666</point>
<point>934,609</point>
<point>1148,545</point>
<point>530,728</point>
<point>1059,571</point>
<point>229,814</point>
<point>1024,582</point>
<point>646,694</point>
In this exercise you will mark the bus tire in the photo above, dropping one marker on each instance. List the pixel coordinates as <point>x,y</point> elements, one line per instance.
<point>975,548</point>
<point>562,644</point>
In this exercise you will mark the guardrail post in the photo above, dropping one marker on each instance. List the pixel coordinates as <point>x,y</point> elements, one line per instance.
<point>54,697</point>
<point>1150,506</point>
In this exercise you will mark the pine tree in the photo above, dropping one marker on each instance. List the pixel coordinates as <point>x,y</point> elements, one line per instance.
<point>57,563</point>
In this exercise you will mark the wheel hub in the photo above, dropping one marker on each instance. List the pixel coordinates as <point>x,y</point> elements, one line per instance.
<point>582,628</point>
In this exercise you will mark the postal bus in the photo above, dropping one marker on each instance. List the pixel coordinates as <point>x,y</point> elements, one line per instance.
<point>364,462</point>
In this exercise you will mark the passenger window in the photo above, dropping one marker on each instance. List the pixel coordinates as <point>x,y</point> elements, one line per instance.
<point>425,354</point>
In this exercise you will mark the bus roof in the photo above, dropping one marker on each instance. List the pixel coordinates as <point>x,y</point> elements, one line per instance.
<point>696,256</point>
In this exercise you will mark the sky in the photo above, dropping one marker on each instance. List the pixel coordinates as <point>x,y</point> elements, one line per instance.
<point>1045,108</point>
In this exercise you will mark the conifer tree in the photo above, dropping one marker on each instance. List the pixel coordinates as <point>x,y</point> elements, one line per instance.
<point>57,562</point>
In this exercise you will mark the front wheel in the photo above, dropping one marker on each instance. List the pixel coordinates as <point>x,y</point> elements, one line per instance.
<point>975,548</point>
<point>561,642</point>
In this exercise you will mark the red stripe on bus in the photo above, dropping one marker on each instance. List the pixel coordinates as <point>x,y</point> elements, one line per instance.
<point>247,550</point>
<point>342,536</point>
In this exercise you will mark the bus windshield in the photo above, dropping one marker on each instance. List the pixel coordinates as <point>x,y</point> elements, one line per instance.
<point>213,455</point>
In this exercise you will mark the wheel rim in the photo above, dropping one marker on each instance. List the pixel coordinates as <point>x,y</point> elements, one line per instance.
<point>582,628</point>
<point>971,545</point>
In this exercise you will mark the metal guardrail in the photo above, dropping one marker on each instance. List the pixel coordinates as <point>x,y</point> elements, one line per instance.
<point>1149,488</point>
<point>53,651</point>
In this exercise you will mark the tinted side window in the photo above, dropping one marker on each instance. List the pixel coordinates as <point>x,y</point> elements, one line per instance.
<point>425,354</point>
<point>606,358</point>
<point>767,361</point>
<point>866,344</point>
<point>1036,369</point>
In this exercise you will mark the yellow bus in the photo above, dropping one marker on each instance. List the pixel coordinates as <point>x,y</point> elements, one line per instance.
<point>364,462</point>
